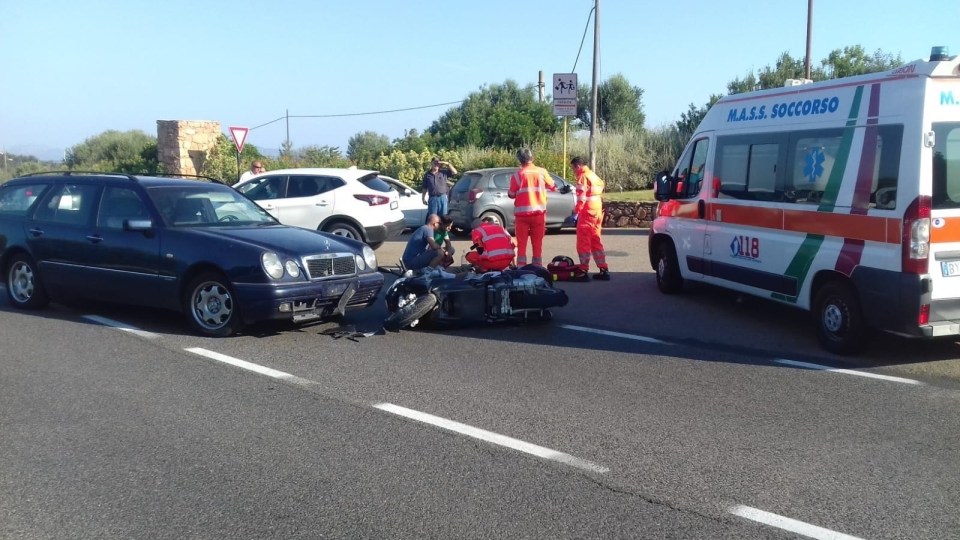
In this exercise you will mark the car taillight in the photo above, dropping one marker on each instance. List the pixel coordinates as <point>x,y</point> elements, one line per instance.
<point>915,248</point>
<point>475,194</point>
<point>373,200</point>
<point>924,317</point>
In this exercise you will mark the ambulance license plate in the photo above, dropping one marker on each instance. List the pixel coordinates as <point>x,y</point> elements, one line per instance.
<point>950,268</point>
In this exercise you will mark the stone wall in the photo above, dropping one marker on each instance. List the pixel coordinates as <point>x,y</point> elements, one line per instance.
<point>183,144</point>
<point>628,214</point>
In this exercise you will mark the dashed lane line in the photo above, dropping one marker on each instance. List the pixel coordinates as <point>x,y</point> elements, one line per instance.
<point>781,361</point>
<point>493,438</point>
<point>614,334</point>
<point>121,326</point>
<point>788,524</point>
<point>808,365</point>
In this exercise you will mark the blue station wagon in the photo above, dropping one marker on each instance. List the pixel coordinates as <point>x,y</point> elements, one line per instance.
<point>197,247</point>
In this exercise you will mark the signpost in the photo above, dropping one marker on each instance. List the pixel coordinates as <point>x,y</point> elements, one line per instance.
<point>565,104</point>
<point>239,137</point>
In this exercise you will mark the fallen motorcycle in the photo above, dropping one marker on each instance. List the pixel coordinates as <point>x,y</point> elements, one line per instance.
<point>515,295</point>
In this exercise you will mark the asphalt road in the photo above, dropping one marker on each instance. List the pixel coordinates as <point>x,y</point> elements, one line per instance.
<point>631,415</point>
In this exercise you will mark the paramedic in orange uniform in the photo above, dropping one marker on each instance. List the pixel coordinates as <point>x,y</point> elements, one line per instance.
<point>589,212</point>
<point>528,188</point>
<point>494,247</point>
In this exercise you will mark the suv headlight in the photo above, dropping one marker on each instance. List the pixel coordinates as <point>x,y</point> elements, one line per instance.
<point>271,264</point>
<point>367,260</point>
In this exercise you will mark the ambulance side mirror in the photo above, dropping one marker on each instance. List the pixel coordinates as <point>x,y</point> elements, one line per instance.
<point>662,186</point>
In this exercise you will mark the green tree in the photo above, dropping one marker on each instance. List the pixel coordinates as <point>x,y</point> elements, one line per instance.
<point>319,156</point>
<point>129,151</point>
<point>619,105</point>
<point>855,61</point>
<point>363,148</point>
<point>500,116</point>
<point>844,62</point>
<point>691,119</point>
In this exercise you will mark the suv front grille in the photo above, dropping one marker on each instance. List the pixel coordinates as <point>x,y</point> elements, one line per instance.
<point>330,265</point>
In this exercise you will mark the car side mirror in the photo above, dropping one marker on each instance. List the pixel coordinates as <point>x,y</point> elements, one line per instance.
<point>138,224</point>
<point>566,189</point>
<point>663,186</point>
<point>408,192</point>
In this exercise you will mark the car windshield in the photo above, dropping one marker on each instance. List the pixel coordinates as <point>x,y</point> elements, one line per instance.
<point>207,206</point>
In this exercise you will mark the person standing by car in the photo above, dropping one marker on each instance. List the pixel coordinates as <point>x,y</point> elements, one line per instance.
<point>422,250</point>
<point>589,212</point>
<point>255,168</point>
<point>435,186</point>
<point>528,188</point>
<point>493,245</point>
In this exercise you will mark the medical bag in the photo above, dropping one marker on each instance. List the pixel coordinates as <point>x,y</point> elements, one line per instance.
<point>562,268</point>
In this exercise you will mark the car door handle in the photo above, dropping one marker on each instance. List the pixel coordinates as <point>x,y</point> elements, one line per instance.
<point>36,232</point>
<point>321,203</point>
<point>94,238</point>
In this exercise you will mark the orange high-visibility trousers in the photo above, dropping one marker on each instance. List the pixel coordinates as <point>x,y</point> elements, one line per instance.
<point>532,226</point>
<point>589,244</point>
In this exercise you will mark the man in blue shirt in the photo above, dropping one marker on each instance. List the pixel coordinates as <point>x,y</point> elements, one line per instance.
<point>435,186</point>
<point>422,250</point>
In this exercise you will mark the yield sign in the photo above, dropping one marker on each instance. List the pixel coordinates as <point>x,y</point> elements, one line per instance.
<point>239,135</point>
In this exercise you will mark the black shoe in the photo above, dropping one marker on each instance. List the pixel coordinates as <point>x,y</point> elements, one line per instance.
<point>602,275</point>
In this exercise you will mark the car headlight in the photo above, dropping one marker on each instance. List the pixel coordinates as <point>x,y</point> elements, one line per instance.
<point>293,268</point>
<point>271,264</point>
<point>369,259</point>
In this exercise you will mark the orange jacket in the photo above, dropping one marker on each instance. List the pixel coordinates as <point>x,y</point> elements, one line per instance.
<point>496,242</point>
<point>589,190</point>
<point>528,188</point>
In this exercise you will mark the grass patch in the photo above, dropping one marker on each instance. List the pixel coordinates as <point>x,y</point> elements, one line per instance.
<point>643,195</point>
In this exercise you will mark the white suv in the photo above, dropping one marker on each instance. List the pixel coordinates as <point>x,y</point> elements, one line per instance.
<point>348,202</point>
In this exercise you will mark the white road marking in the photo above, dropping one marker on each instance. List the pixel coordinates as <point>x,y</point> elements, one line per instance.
<point>121,326</point>
<point>787,524</point>
<point>808,365</point>
<point>256,368</point>
<point>614,334</point>
<point>494,438</point>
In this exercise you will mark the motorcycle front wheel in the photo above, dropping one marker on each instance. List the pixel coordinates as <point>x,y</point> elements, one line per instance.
<point>411,313</point>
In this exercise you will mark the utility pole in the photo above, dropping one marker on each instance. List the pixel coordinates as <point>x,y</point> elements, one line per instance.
<point>540,86</point>
<point>596,72</point>
<point>806,62</point>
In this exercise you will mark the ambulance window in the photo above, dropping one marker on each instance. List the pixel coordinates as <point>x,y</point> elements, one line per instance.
<point>689,171</point>
<point>946,166</point>
<point>886,169</point>
<point>748,171</point>
<point>813,154</point>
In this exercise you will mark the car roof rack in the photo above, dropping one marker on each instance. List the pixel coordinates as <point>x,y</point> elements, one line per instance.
<point>74,173</point>
<point>126,175</point>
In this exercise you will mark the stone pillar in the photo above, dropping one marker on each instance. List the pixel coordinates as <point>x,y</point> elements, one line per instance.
<point>183,144</point>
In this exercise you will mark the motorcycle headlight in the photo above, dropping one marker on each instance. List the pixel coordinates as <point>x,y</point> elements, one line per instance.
<point>293,269</point>
<point>271,264</point>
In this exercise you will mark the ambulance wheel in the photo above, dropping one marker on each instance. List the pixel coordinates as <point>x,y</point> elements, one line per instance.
<point>840,325</point>
<point>669,280</point>
<point>410,314</point>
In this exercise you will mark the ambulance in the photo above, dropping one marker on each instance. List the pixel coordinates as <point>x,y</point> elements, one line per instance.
<point>840,197</point>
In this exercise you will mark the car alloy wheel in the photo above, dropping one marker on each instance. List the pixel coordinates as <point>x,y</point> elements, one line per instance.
<point>211,306</point>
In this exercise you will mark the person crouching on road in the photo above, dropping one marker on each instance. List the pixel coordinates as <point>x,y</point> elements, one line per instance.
<point>442,237</point>
<point>493,245</point>
<point>589,212</point>
<point>422,250</point>
<point>528,188</point>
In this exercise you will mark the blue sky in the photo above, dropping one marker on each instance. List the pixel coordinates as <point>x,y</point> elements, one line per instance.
<point>75,69</point>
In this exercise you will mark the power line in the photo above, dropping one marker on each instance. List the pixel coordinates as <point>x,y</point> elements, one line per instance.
<point>584,38</point>
<point>341,115</point>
